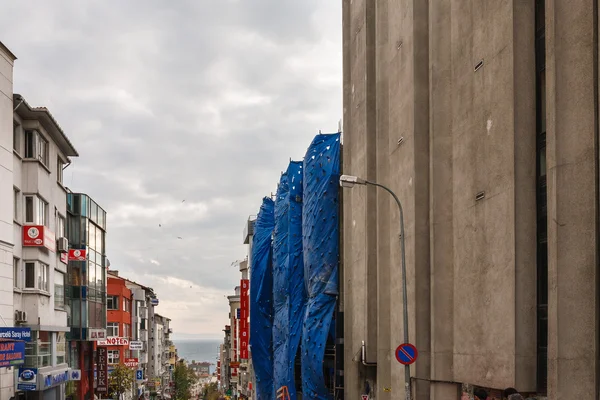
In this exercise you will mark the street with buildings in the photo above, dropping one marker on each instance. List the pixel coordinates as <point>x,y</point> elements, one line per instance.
<point>73,316</point>
<point>442,244</point>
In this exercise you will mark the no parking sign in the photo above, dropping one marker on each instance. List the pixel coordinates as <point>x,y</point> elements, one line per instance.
<point>406,354</point>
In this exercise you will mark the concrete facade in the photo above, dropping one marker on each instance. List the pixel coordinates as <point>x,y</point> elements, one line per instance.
<point>139,321</point>
<point>440,106</point>
<point>7,60</point>
<point>41,151</point>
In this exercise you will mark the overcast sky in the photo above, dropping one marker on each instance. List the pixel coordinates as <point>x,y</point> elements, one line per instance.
<point>197,100</point>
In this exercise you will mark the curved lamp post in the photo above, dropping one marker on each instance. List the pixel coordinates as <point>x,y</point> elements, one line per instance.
<point>348,181</point>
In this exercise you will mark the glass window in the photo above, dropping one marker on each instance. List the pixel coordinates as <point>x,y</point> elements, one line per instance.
<point>92,275</point>
<point>17,197</point>
<point>75,313</point>
<point>126,330</point>
<point>93,211</point>
<point>60,165</point>
<point>16,273</point>
<point>91,235</point>
<point>73,231</point>
<point>112,302</point>
<point>84,206</point>
<point>30,275</point>
<point>17,137</point>
<point>112,329</point>
<point>29,210</point>
<point>42,212</point>
<point>60,226</point>
<point>44,277</point>
<point>113,356</point>
<point>42,150</point>
<point>61,348</point>
<point>36,146</point>
<point>30,144</point>
<point>38,352</point>
<point>59,290</point>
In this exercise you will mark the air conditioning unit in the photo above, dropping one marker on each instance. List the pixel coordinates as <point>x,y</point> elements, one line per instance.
<point>63,245</point>
<point>20,316</point>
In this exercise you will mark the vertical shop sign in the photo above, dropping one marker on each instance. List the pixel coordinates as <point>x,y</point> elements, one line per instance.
<point>102,365</point>
<point>244,312</point>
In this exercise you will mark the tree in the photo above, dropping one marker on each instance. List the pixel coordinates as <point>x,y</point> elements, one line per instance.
<point>211,392</point>
<point>183,378</point>
<point>120,380</point>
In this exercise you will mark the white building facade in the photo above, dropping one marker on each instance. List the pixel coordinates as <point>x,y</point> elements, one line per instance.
<point>41,151</point>
<point>6,207</point>
<point>142,296</point>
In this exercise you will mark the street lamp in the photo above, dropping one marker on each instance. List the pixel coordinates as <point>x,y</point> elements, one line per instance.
<point>348,181</point>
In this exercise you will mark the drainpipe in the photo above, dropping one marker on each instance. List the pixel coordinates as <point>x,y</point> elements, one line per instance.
<point>363,356</point>
<point>21,102</point>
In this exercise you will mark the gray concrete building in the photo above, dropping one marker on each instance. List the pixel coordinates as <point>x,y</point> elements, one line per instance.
<point>483,117</point>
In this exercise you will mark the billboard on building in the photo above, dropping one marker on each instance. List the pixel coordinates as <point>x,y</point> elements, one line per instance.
<point>39,236</point>
<point>12,353</point>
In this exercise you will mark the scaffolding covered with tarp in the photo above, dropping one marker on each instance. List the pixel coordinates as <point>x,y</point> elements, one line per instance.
<point>261,300</point>
<point>320,237</point>
<point>297,287</point>
<point>281,305</point>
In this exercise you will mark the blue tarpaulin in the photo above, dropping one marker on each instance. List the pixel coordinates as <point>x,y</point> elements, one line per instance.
<point>281,303</point>
<point>297,287</point>
<point>261,300</point>
<point>320,238</point>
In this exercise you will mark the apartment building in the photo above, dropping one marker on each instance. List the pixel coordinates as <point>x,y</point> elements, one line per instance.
<point>86,300</point>
<point>41,151</point>
<point>7,240</point>
<point>139,344</point>
<point>161,354</point>
<point>119,311</point>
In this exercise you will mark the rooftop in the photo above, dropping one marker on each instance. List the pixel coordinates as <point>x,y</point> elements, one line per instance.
<point>7,51</point>
<point>41,114</point>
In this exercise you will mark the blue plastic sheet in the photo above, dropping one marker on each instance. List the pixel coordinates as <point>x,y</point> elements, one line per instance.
<point>261,300</point>
<point>297,287</point>
<point>320,237</point>
<point>281,303</point>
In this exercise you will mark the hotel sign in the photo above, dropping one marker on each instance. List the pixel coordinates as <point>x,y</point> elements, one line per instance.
<point>114,341</point>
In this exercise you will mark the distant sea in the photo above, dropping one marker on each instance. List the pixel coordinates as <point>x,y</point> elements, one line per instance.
<point>198,350</point>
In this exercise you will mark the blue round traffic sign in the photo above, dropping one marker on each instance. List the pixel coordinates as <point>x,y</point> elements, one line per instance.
<point>406,354</point>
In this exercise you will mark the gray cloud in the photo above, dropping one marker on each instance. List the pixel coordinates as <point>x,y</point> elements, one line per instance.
<point>198,100</point>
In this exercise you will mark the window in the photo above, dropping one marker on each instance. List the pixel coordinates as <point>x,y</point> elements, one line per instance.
<point>36,147</point>
<point>60,165</point>
<point>126,305</point>
<point>36,210</point>
<point>126,330</point>
<point>59,290</point>
<point>112,302</point>
<point>16,207</point>
<point>61,348</point>
<point>60,226</point>
<point>30,275</point>
<point>112,329</point>
<point>113,356</point>
<point>16,273</point>
<point>42,212</point>
<point>38,352</point>
<point>37,275</point>
<point>17,137</point>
